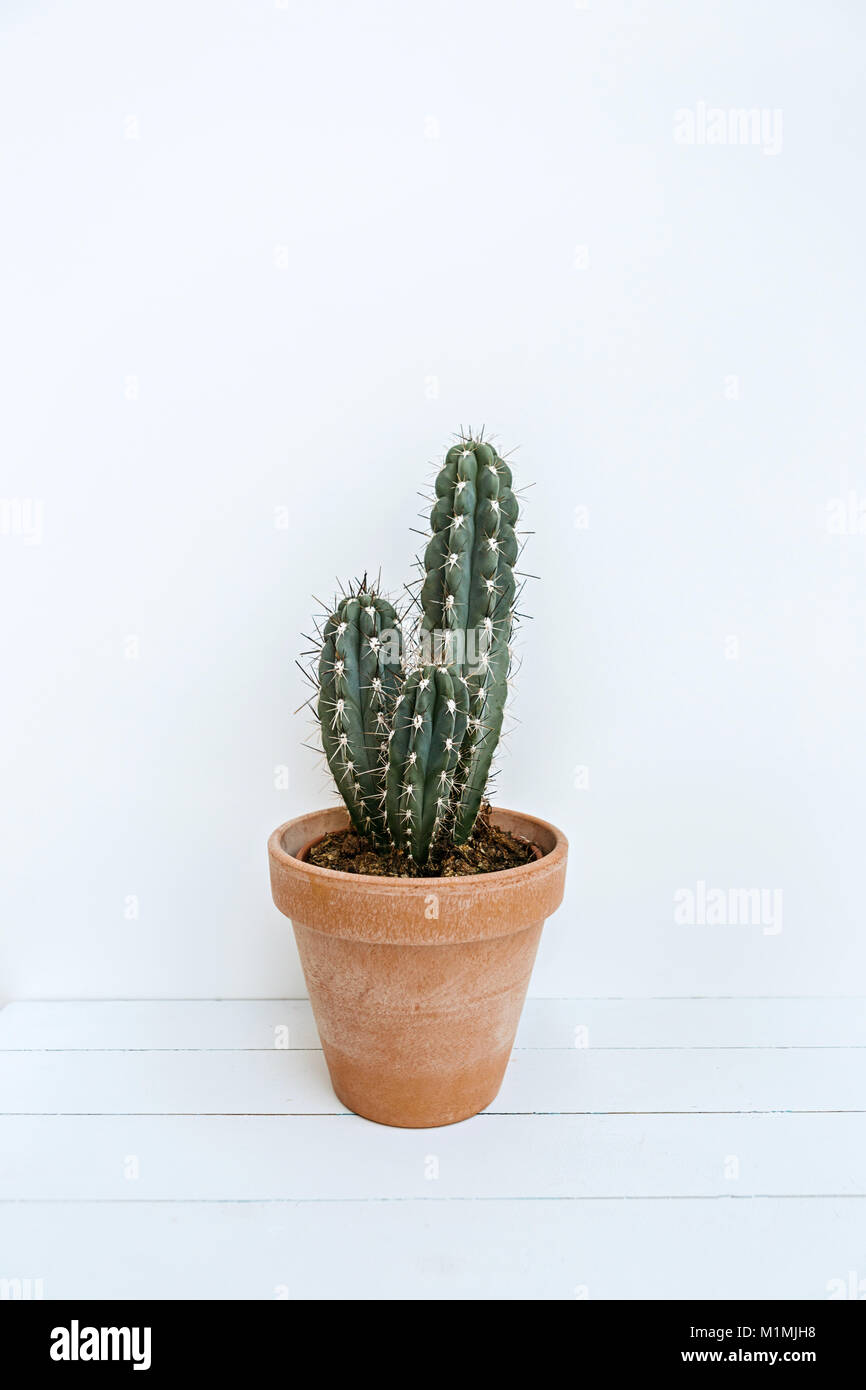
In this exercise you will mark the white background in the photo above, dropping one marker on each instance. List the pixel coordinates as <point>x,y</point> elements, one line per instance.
<point>255,257</point>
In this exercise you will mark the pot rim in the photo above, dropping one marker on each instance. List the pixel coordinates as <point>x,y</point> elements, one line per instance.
<point>458,883</point>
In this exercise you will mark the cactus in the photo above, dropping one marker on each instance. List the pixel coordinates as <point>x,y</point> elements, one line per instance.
<point>359,674</point>
<point>411,754</point>
<point>467,600</point>
<point>428,729</point>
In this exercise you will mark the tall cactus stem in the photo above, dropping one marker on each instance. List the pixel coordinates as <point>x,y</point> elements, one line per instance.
<point>467,599</point>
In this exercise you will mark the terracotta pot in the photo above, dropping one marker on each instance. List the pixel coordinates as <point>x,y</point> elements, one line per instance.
<point>416,984</point>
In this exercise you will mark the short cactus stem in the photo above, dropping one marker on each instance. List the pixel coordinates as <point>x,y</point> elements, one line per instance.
<point>359,673</point>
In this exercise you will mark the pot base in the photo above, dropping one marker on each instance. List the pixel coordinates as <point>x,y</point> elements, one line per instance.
<point>408,1108</point>
<point>417,1036</point>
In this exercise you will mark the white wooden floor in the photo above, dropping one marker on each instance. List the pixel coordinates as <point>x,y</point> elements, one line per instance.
<point>667,1148</point>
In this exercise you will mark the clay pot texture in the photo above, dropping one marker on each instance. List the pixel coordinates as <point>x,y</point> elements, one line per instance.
<point>416,983</point>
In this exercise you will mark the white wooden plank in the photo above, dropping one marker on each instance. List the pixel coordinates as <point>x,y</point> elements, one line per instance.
<point>692,1248</point>
<point>159,1024</point>
<point>167,1083</point>
<point>717,1023</point>
<point>651,1080</point>
<point>286,1158</point>
<point>554,1023</point>
<point>575,1081</point>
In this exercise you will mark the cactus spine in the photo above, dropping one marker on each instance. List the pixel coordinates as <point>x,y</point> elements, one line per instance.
<point>428,730</point>
<point>359,674</point>
<point>467,601</point>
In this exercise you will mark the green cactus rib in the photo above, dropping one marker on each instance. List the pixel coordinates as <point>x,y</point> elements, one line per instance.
<point>360,672</point>
<point>428,729</point>
<point>488,687</point>
<point>467,600</point>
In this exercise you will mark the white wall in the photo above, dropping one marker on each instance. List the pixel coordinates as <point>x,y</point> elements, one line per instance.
<point>258,254</point>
